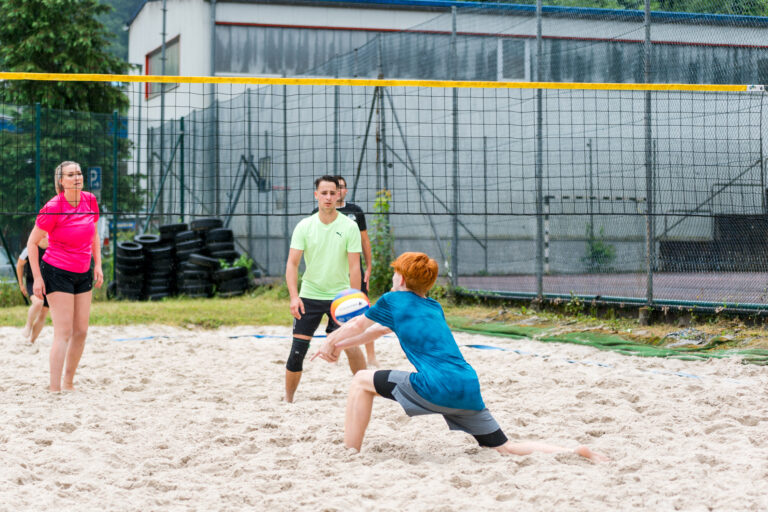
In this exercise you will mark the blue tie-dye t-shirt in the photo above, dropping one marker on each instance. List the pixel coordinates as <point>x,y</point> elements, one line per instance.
<point>443,376</point>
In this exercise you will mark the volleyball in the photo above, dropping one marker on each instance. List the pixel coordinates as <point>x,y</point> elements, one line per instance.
<point>349,304</point>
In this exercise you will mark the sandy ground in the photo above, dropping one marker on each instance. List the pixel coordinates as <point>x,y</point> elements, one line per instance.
<point>173,419</point>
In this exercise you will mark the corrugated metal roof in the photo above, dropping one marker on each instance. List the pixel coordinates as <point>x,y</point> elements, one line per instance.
<point>566,12</point>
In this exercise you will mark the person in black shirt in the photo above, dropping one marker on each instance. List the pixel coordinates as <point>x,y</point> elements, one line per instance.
<point>37,309</point>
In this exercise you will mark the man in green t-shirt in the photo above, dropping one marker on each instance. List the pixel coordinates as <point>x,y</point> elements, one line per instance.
<point>330,244</point>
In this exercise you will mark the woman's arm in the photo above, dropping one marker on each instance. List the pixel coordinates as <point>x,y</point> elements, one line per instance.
<point>33,254</point>
<point>98,274</point>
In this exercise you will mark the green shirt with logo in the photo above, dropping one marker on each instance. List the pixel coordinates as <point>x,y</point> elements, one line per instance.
<point>325,249</point>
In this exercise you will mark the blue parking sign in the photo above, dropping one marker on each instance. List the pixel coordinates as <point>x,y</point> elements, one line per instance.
<point>94,178</point>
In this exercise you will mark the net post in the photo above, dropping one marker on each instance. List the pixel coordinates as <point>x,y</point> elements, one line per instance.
<point>181,167</point>
<point>113,231</point>
<point>37,157</point>
<point>286,233</point>
<point>455,217</point>
<point>539,164</point>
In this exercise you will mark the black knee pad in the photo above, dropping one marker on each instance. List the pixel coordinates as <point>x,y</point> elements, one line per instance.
<point>295,361</point>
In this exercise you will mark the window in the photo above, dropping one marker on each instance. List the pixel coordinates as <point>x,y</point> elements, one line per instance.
<point>512,57</point>
<point>154,65</point>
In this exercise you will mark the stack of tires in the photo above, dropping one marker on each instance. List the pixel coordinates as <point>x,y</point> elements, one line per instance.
<point>129,270</point>
<point>184,259</point>
<point>158,266</point>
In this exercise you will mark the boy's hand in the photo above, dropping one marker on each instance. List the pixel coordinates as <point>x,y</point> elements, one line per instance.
<point>327,352</point>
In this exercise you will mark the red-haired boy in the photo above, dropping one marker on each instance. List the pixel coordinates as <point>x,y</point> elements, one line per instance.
<point>444,383</point>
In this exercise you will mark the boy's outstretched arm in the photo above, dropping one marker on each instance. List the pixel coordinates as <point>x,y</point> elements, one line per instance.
<point>358,331</point>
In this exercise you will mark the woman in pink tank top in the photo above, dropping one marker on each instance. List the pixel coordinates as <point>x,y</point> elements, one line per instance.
<point>64,279</point>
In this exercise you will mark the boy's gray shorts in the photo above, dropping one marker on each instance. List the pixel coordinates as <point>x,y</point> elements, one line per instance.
<point>476,423</point>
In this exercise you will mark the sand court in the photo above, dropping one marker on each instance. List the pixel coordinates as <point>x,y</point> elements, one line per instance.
<point>174,419</point>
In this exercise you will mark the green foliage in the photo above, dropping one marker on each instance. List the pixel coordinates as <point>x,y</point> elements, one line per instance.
<point>10,295</point>
<point>574,306</point>
<point>382,245</point>
<point>58,36</point>
<point>599,253</point>
<point>242,261</point>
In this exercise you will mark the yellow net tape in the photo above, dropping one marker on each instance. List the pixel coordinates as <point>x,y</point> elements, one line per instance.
<point>71,77</point>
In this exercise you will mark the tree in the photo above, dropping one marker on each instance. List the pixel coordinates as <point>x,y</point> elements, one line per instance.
<point>74,119</point>
<point>59,36</point>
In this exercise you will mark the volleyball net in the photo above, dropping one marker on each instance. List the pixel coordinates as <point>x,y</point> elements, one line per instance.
<point>617,192</point>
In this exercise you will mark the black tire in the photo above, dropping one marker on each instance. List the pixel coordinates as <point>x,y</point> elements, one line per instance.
<point>204,261</point>
<point>184,255</point>
<point>173,228</point>
<point>195,283</point>
<point>188,289</point>
<point>225,274</point>
<point>195,275</point>
<point>160,265</point>
<point>238,283</point>
<point>188,265</point>
<point>147,240</point>
<point>183,236</point>
<point>129,249</point>
<point>130,269</point>
<point>234,293</point>
<point>205,224</point>
<point>155,282</point>
<point>159,252</point>
<point>130,260</point>
<point>157,276</point>
<point>151,290</point>
<point>158,296</point>
<point>219,235</point>
<point>214,247</point>
<point>186,245</point>
<point>228,256</point>
<point>129,277</point>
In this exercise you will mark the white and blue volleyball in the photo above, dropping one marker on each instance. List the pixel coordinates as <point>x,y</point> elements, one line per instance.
<point>349,304</point>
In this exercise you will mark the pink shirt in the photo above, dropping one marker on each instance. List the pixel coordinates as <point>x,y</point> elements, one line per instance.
<point>70,231</point>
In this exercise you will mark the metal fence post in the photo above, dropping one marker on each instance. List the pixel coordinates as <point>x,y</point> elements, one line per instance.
<point>115,183</point>
<point>650,235</point>
<point>37,157</point>
<point>539,163</point>
<point>181,167</point>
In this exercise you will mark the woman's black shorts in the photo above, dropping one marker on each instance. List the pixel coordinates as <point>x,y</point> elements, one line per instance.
<point>59,280</point>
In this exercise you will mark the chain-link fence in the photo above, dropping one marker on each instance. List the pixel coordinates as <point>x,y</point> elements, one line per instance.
<point>603,191</point>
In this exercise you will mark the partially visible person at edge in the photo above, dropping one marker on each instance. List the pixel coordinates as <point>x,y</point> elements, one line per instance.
<point>356,213</point>
<point>330,246</point>
<point>444,383</point>
<point>65,279</point>
<point>37,308</point>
